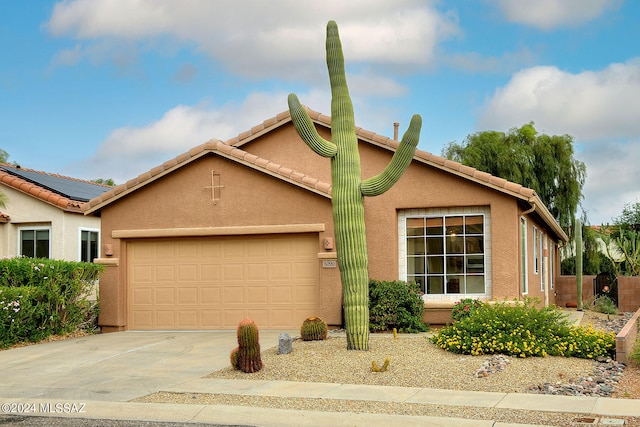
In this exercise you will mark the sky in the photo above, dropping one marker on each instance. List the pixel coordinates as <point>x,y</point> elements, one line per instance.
<point>112,88</point>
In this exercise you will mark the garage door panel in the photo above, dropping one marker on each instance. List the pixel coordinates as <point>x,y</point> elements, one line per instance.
<point>231,317</point>
<point>188,319</point>
<point>211,273</point>
<point>143,274</point>
<point>306,294</point>
<point>142,296</point>
<point>188,295</point>
<point>281,271</point>
<point>257,271</point>
<point>165,319</point>
<point>233,295</point>
<point>165,296</point>
<point>210,295</point>
<point>213,283</point>
<point>210,319</point>
<point>258,295</point>
<point>281,294</point>
<point>233,272</point>
<point>187,273</point>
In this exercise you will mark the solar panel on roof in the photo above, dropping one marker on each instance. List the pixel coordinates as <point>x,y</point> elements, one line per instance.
<point>75,190</point>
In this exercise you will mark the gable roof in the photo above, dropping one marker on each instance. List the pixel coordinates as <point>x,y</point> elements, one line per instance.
<point>224,150</point>
<point>66,193</point>
<point>231,149</point>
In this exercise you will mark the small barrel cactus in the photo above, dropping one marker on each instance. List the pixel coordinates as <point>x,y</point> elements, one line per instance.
<point>313,329</point>
<point>247,356</point>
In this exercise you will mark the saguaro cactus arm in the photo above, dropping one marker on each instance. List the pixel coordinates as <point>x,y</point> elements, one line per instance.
<point>307,131</point>
<point>401,159</point>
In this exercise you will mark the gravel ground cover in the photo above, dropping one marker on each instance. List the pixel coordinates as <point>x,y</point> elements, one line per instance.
<point>414,362</point>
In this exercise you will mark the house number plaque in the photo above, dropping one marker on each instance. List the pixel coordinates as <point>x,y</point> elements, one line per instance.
<point>329,263</point>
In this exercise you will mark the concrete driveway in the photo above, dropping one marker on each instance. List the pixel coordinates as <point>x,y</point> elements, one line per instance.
<point>118,366</point>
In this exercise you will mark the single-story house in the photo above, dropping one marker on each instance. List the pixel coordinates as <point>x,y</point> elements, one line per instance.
<point>43,215</point>
<point>244,228</point>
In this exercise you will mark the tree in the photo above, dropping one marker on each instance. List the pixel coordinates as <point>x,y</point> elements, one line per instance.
<point>543,163</point>
<point>107,181</point>
<point>622,240</point>
<point>348,191</point>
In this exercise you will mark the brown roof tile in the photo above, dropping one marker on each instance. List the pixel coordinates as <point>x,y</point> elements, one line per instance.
<point>41,193</point>
<point>229,147</point>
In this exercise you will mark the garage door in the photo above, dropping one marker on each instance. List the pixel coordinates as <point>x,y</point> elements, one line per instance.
<point>213,283</point>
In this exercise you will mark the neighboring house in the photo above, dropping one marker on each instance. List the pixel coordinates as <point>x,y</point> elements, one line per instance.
<point>244,228</point>
<point>43,216</point>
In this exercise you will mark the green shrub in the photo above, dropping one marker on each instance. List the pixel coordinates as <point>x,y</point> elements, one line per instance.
<point>604,304</point>
<point>42,297</point>
<point>397,305</point>
<point>465,308</point>
<point>522,331</point>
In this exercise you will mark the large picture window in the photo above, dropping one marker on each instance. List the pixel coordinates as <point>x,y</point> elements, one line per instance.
<point>34,243</point>
<point>446,254</point>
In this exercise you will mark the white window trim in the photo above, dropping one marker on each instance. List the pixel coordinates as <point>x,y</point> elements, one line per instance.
<point>402,247</point>
<point>80,230</point>
<point>524,256</point>
<point>536,251</point>
<point>28,228</point>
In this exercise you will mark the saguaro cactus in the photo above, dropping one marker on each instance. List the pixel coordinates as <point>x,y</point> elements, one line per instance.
<point>578,238</point>
<point>348,188</point>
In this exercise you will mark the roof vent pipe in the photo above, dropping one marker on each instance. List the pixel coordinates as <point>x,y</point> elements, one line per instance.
<point>395,130</point>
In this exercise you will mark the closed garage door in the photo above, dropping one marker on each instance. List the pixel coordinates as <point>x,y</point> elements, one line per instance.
<point>213,283</point>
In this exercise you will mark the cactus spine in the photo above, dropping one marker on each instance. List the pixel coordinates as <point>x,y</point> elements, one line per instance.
<point>247,356</point>
<point>348,191</point>
<point>313,329</point>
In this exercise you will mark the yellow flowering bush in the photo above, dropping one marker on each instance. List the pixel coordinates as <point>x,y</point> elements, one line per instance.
<point>523,331</point>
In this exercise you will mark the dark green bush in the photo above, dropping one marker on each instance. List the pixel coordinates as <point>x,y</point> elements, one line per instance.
<point>395,305</point>
<point>522,330</point>
<point>43,297</point>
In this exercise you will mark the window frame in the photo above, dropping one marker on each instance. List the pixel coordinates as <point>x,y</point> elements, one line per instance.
<point>536,250</point>
<point>541,251</point>
<point>524,261</point>
<point>34,228</point>
<point>89,230</point>
<point>443,214</point>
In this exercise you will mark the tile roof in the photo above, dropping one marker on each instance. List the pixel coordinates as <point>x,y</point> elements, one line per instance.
<point>34,183</point>
<point>231,149</point>
<point>4,218</point>
<point>382,141</point>
<point>224,150</point>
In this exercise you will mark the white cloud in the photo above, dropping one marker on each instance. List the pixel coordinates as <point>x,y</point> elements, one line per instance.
<point>591,105</point>
<point>258,38</point>
<point>598,108</point>
<point>130,151</point>
<point>612,179</point>
<point>549,14</point>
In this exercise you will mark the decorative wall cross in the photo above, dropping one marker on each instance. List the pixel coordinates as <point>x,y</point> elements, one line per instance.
<point>215,186</point>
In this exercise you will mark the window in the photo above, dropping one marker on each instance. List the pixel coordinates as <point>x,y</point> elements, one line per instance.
<point>35,242</point>
<point>88,245</point>
<point>445,254</point>
<point>536,252</point>
<point>523,256</point>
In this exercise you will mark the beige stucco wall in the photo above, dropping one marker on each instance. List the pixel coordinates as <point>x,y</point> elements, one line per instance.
<point>26,211</point>
<point>252,198</point>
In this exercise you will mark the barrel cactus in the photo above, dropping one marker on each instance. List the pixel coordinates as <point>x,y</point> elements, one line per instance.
<point>313,329</point>
<point>247,356</point>
<point>348,189</point>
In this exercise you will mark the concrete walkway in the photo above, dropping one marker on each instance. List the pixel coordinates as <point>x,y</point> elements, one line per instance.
<point>95,377</point>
